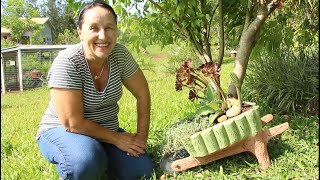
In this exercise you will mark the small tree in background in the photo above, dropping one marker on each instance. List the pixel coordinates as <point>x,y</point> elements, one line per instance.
<point>17,17</point>
<point>68,37</point>
<point>193,21</point>
<point>165,22</point>
<point>7,43</point>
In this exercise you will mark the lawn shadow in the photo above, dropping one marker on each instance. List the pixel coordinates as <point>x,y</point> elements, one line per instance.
<point>305,128</point>
<point>6,106</point>
<point>6,149</point>
<point>158,141</point>
<point>155,153</point>
<point>276,147</point>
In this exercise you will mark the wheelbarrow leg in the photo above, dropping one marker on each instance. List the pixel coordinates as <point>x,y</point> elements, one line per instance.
<point>259,146</point>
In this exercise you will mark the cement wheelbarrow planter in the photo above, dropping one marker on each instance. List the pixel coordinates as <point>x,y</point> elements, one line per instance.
<point>233,136</point>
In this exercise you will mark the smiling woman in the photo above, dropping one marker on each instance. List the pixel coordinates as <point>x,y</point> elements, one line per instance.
<point>98,32</point>
<point>80,130</point>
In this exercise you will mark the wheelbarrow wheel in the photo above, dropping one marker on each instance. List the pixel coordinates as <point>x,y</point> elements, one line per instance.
<point>167,159</point>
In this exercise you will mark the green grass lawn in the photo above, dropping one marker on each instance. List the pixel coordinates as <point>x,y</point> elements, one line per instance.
<point>293,154</point>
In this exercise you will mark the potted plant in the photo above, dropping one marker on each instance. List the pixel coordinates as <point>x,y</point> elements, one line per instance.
<point>219,123</point>
<point>203,84</point>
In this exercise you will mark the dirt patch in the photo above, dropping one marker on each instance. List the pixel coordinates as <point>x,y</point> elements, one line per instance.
<point>159,57</point>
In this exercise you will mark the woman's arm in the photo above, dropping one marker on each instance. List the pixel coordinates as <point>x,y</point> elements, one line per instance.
<point>138,86</point>
<point>69,107</point>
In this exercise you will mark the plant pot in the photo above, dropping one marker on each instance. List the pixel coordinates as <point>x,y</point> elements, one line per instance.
<point>224,134</point>
<point>236,135</point>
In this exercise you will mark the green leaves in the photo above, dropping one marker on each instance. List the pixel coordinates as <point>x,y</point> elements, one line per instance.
<point>169,21</point>
<point>288,83</point>
<point>235,80</point>
<point>210,94</point>
<point>178,11</point>
<point>67,37</point>
<point>215,105</point>
<point>204,110</point>
<point>210,103</point>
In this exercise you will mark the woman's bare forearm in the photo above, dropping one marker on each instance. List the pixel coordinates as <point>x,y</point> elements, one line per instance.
<point>90,128</point>
<point>143,111</point>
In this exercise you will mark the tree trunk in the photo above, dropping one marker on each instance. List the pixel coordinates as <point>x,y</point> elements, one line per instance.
<point>221,34</point>
<point>248,39</point>
<point>308,11</point>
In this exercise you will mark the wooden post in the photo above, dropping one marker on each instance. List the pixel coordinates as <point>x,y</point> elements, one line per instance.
<point>3,87</point>
<point>20,69</point>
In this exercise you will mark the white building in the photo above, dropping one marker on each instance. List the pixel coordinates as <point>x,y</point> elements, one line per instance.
<point>26,37</point>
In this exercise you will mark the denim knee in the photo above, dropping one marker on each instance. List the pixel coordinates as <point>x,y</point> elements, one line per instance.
<point>76,156</point>
<point>142,168</point>
<point>89,163</point>
<point>128,167</point>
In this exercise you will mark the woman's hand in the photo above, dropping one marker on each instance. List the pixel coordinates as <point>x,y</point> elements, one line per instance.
<point>131,144</point>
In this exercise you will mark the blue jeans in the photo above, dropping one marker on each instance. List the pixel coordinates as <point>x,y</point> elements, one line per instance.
<point>81,157</point>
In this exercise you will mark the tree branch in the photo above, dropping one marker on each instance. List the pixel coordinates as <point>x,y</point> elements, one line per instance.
<point>205,33</point>
<point>197,47</point>
<point>249,14</point>
<point>221,34</point>
<point>308,11</point>
<point>211,18</point>
<point>166,13</point>
<point>272,5</point>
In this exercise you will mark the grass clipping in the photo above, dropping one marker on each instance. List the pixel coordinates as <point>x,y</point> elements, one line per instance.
<point>181,132</point>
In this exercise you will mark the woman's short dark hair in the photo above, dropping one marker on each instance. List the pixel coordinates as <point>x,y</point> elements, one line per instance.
<point>91,5</point>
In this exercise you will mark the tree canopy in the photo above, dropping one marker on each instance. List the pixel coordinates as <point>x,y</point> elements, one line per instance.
<point>17,17</point>
<point>209,25</point>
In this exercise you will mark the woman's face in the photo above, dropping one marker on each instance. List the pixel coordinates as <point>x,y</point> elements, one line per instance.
<point>98,33</point>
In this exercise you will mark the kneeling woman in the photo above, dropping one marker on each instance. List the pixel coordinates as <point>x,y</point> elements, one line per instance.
<point>79,132</point>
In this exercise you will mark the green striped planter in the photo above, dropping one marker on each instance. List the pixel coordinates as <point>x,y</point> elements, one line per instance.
<point>224,134</point>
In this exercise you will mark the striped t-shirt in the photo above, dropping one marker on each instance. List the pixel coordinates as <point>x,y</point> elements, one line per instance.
<point>69,70</point>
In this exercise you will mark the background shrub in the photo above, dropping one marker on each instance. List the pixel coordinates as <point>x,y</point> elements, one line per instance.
<point>5,43</point>
<point>177,53</point>
<point>289,82</point>
<point>144,59</point>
